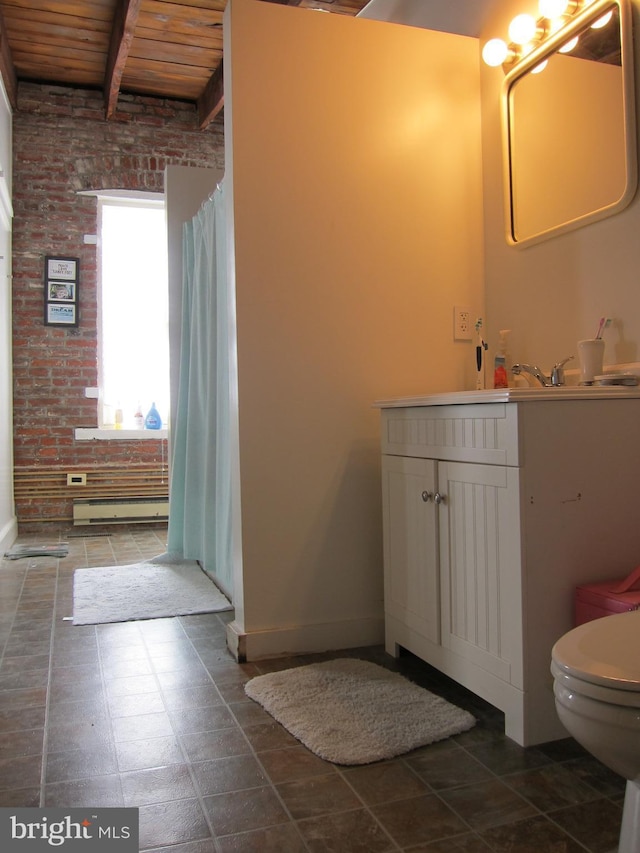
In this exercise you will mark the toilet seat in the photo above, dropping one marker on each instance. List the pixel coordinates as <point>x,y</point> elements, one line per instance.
<point>608,695</point>
<point>602,655</point>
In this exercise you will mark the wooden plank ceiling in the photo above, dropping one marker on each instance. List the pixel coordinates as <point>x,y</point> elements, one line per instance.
<point>160,48</point>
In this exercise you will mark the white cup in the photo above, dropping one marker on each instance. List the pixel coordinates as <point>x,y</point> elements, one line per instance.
<point>591,354</point>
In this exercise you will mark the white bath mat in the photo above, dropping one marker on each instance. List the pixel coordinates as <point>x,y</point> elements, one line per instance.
<point>354,712</point>
<point>148,590</point>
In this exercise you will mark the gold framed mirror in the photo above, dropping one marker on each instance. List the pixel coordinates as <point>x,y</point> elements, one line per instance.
<point>569,132</point>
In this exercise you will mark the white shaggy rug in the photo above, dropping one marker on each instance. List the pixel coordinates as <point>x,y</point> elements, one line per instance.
<point>163,586</point>
<point>354,712</point>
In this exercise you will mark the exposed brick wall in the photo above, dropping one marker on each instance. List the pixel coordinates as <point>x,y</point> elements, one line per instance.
<point>62,144</point>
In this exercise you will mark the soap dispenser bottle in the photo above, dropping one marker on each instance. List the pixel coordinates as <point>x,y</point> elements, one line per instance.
<point>153,419</point>
<point>138,417</point>
<point>500,370</point>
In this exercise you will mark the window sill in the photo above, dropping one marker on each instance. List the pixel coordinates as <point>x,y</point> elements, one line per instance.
<point>89,434</point>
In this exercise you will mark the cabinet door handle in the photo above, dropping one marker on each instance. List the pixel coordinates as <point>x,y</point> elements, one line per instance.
<point>426,496</point>
<point>439,499</point>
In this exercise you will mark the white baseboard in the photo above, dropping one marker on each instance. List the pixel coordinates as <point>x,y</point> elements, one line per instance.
<point>303,639</point>
<point>8,534</point>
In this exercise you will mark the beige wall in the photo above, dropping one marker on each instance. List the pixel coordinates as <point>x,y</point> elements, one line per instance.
<point>553,294</point>
<point>353,151</point>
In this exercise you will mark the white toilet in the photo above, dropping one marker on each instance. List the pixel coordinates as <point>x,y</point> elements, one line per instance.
<point>596,671</point>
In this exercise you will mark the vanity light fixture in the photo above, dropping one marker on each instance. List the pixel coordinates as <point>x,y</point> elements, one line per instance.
<point>524,29</point>
<point>552,9</point>
<point>540,67</point>
<point>525,32</point>
<point>497,52</point>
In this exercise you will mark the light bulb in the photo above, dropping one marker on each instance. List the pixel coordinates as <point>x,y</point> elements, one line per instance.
<point>540,67</point>
<point>522,29</point>
<point>552,8</point>
<point>495,52</point>
<point>568,47</point>
<point>555,25</point>
<point>603,21</point>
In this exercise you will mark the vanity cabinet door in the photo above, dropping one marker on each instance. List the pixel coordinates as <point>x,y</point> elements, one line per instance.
<point>411,581</point>
<point>480,566</point>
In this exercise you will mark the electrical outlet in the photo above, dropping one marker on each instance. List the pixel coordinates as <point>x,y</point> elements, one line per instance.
<point>76,479</point>
<point>462,329</point>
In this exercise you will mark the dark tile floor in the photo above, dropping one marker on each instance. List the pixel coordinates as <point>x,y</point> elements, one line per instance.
<point>153,714</point>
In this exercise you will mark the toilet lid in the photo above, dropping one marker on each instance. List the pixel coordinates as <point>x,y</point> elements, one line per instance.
<point>605,651</point>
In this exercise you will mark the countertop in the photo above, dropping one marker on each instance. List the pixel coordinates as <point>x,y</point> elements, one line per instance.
<point>515,395</point>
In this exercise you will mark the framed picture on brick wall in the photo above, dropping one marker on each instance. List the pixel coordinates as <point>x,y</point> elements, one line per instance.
<point>61,285</point>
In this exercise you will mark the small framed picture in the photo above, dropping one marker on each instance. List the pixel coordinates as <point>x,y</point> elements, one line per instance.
<point>62,291</point>
<point>61,285</point>
<point>61,315</point>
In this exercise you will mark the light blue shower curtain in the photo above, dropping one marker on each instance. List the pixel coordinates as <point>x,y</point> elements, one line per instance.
<point>200,491</point>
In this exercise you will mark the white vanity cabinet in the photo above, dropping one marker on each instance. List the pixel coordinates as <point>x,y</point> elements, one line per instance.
<point>492,513</point>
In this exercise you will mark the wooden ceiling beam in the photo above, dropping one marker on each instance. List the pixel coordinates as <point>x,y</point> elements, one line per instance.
<point>122,32</point>
<point>7,68</point>
<point>211,100</point>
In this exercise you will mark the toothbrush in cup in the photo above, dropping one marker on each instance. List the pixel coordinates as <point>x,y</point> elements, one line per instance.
<point>605,322</point>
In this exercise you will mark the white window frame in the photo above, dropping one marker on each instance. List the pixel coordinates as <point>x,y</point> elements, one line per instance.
<point>107,430</point>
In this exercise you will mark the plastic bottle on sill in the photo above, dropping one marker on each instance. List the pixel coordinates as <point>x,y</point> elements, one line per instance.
<point>138,417</point>
<point>153,419</point>
<point>118,418</point>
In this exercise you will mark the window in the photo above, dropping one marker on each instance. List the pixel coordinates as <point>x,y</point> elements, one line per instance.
<point>133,308</point>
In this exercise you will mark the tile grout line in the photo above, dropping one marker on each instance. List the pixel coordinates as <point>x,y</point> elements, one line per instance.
<point>539,813</point>
<point>54,617</point>
<point>14,616</point>
<point>45,733</point>
<point>187,761</point>
<point>256,758</point>
<point>367,807</point>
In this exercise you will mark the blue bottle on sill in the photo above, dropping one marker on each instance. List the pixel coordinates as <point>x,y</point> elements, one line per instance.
<point>153,419</point>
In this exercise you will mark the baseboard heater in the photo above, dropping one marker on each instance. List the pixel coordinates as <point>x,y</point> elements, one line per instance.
<point>120,510</point>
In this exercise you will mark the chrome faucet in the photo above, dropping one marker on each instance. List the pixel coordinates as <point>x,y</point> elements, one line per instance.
<point>557,374</point>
